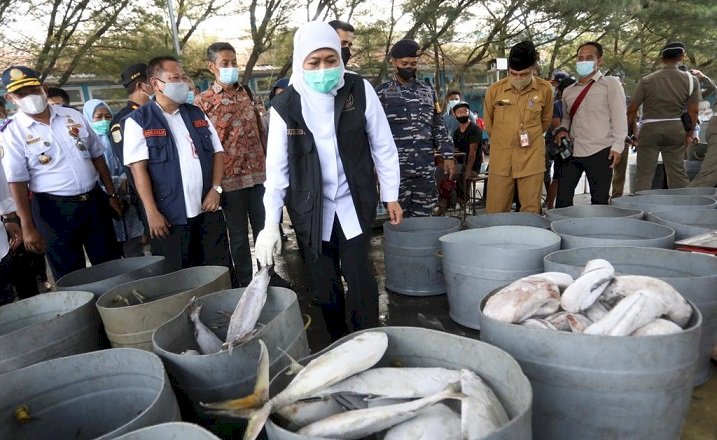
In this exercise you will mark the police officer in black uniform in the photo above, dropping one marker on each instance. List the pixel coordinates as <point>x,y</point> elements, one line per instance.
<point>134,80</point>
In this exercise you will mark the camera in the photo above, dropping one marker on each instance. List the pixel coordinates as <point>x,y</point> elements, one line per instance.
<point>562,150</point>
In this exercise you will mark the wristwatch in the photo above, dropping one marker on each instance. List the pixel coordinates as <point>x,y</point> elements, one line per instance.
<point>11,219</point>
<point>218,189</point>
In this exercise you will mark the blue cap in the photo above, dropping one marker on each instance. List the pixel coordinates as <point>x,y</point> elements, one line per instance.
<point>281,84</point>
<point>17,77</point>
<point>405,49</point>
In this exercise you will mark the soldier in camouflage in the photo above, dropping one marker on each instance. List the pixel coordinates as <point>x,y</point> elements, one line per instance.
<point>417,126</point>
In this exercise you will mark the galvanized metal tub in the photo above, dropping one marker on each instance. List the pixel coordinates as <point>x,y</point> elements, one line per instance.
<point>477,261</point>
<point>225,375</point>
<point>693,275</point>
<point>686,222</point>
<point>409,252</point>
<point>132,326</point>
<point>47,326</point>
<point>507,219</point>
<point>592,211</point>
<point>586,232</point>
<point>169,431</point>
<point>698,191</point>
<point>98,395</point>
<point>420,347</point>
<point>661,202</point>
<point>593,387</point>
<point>103,277</point>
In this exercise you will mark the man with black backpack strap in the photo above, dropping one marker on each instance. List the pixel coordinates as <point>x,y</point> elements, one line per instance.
<point>594,121</point>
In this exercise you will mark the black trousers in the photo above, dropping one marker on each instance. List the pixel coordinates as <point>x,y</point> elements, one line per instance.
<point>599,175</point>
<point>68,224</point>
<point>201,242</point>
<point>349,258</point>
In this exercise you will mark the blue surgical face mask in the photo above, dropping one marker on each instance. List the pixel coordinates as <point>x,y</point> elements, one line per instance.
<point>190,97</point>
<point>323,80</point>
<point>453,102</point>
<point>228,75</point>
<point>584,68</point>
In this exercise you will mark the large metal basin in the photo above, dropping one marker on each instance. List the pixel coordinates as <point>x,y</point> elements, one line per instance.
<point>651,203</point>
<point>592,211</point>
<point>686,222</point>
<point>586,232</point>
<point>103,277</point>
<point>170,431</point>
<point>507,219</point>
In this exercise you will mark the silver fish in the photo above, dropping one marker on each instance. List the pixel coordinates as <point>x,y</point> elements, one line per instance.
<point>435,422</point>
<point>138,296</point>
<point>395,383</point>
<point>597,311</point>
<point>304,412</point>
<point>593,281</point>
<point>658,327</point>
<point>559,320</point>
<point>353,356</point>
<point>481,410</point>
<point>353,425</point>
<point>248,309</point>
<point>560,279</point>
<point>633,312</point>
<point>578,323</point>
<point>679,310</point>
<point>522,299</point>
<point>538,323</point>
<point>208,342</point>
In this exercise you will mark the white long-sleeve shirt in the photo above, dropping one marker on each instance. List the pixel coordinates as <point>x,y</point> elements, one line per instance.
<point>337,199</point>
<point>7,205</point>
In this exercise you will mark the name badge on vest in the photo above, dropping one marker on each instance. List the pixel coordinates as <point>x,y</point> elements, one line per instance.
<point>201,123</point>
<point>156,132</point>
<point>295,132</point>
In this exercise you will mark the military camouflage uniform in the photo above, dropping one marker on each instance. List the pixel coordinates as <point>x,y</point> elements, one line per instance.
<point>418,130</point>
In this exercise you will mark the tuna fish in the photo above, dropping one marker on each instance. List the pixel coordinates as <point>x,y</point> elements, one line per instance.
<point>357,424</point>
<point>633,312</point>
<point>208,342</point>
<point>354,356</point>
<point>593,281</point>
<point>435,422</point>
<point>481,411</point>
<point>304,412</point>
<point>679,310</point>
<point>658,327</point>
<point>246,314</point>
<point>522,299</point>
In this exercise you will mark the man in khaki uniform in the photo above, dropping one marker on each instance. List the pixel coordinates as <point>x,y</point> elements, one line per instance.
<point>664,96</point>
<point>518,109</point>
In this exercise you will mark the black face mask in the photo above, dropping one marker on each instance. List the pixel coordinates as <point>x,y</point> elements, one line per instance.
<point>406,73</point>
<point>346,54</point>
<point>462,119</point>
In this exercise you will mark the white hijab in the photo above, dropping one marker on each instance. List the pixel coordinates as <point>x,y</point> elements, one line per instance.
<point>316,108</point>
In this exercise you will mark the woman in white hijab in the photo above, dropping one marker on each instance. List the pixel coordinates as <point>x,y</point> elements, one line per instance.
<point>328,140</point>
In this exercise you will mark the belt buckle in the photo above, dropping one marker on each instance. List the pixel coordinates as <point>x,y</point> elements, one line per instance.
<point>83,197</point>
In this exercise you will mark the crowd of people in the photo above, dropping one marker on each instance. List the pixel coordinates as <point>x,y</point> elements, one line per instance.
<point>187,174</point>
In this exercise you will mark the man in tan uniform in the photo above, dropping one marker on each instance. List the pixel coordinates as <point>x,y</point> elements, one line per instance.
<point>518,109</point>
<point>708,172</point>
<point>664,96</point>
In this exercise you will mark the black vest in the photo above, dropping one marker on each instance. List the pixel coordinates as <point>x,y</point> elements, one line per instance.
<point>304,196</point>
<point>163,163</point>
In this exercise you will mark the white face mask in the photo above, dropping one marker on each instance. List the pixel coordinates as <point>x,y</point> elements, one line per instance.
<point>33,104</point>
<point>177,92</point>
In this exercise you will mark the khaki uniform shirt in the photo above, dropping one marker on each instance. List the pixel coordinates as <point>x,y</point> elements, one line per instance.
<point>505,111</point>
<point>664,94</point>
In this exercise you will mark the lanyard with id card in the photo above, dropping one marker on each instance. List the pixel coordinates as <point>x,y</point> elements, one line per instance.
<point>524,139</point>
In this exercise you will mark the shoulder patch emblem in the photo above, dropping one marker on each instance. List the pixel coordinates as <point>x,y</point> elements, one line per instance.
<point>116,131</point>
<point>349,105</point>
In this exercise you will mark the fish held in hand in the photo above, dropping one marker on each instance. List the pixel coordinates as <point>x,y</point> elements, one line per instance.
<point>208,342</point>
<point>582,294</point>
<point>522,299</point>
<point>246,314</point>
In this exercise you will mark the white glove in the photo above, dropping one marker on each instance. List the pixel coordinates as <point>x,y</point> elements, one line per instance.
<point>268,244</point>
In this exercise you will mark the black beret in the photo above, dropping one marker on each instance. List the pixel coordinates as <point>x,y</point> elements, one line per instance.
<point>134,72</point>
<point>674,49</point>
<point>405,48</point>
<point>522,56</point>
